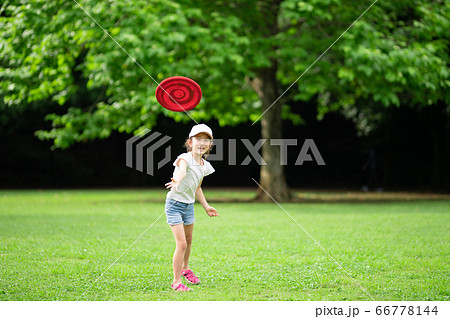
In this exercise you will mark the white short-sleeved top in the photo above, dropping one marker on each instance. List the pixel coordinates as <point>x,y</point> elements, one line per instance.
<point>194,175</point>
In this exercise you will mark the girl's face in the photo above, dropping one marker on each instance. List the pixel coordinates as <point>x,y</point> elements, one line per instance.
<point>200,143</point>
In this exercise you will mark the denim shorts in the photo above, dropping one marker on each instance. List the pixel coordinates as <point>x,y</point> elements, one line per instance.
<point>178,212</point>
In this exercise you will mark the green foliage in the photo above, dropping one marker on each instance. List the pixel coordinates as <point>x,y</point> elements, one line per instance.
<point>406,59</point>
<point>54,245</point>
<point>397,54</point>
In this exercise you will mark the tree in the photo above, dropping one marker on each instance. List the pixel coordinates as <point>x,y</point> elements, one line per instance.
<point>244,54</point>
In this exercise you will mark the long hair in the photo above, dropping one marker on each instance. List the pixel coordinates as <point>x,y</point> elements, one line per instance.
<point>189,147</point>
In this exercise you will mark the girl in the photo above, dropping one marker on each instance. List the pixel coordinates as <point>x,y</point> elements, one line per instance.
<point>190,168</point>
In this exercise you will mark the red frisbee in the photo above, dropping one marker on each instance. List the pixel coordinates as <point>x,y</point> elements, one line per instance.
<point>178,94</point>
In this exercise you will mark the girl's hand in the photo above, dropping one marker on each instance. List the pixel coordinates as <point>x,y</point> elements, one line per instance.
<point>211,211</point>
<point>173,184</point>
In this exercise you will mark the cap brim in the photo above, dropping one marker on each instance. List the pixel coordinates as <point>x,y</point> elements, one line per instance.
<point>210,136</point>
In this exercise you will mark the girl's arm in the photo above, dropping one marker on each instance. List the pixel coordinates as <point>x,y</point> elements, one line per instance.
<point>211,211</point>
<point>175,182</point>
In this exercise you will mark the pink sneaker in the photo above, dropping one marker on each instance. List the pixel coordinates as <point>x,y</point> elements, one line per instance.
<point>180,287</point>
<point>190,277</point>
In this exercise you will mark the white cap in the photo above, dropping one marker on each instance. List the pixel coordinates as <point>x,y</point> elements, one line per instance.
<point>200,128</point>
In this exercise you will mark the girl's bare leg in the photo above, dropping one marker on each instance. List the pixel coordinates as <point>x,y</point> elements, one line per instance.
<point>188,229</point>
<point>180,251</point>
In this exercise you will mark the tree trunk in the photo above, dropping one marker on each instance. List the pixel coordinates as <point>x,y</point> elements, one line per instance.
<point>272,179</point>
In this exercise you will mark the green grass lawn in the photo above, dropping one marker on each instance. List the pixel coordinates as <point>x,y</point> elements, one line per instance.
<point>54,245</point>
